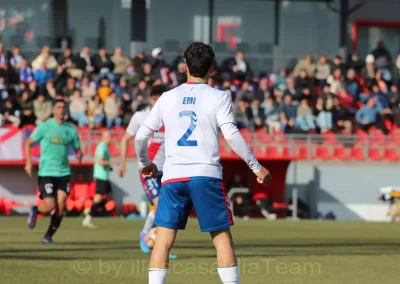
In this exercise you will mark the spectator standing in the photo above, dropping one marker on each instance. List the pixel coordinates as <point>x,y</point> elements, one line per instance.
<point>41,109</point>
<point>354,62</point>
<point>238,68</point>
<point>382,56</point>
<point>111,109</point>
<point>77,109</point>
<point>304,118</point>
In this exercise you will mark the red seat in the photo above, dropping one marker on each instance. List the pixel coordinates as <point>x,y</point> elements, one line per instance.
<point>329,138</point>
<point>374,154</point>
<point>278,205</point>
<point>262,136</point>
<point>322,153</point>
<point>113,150</point>
<point>286,152</point>
<point>340,153</point>
<point>303,153</point>
<point>272,152</point>
<point>357,153</point>
<point>390,154</point>
<point>131,150</point>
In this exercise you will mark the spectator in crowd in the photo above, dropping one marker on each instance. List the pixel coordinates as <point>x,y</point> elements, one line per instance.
<point>3,59</point>
<point>272,113</point>
<point>120,62</point>
<point>338,64</point>
<point>346,99</point>
<point>140,59</point>
<point>179,76</point>
<point>280,82</point>
<point>42,75</point>
<point>77,109</point>
<point>111,109</point>
<point>88,89</point>
<point>263,92</point>
<point>105,90</point>
<point>368,72</point>
<point>156,60</point>
<point>368,115</point>
<point>95,112</point>
<point>85,63</point>
<point>68,62</point>
<point>237,67</point>
<point>103,65</point>
<point>50,91</point>
<point>323,70</point>
<point>148,76</point>
<point>70,88</point>
<point>33,90</point>
<point>336,81</point>
<point>126,105</point>
<point>258,114</point>
<point>304,118</point>
<point>305,64</point>
<point>47,57</point>
<point>16,58</point>
<point>243,114</point>
<point>9,113</point>
<point>288,114</point>
<point>27,115</point>
<point>382,56</point>
<point>245,92</point>
<point>131,76</point>
<point>290,90</point>
<point>322,116</point>
<point>122,88</point>
<point>351,84</point>
<point>25,73</point>
<point>341,118</point>
<point>327,96</point>
<point>241,206</point>
<point>302,82</point>
<point>142,89</point>
<point>41,108</point>
<point>354,62</point>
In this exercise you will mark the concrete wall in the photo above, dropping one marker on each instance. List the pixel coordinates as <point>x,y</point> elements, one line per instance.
<point>349,190</point>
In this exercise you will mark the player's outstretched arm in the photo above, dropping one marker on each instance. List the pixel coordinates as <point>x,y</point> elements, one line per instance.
<point>239,146</point>
<point>28,157</point>
<point>126,139</point>
<point>147,168</point>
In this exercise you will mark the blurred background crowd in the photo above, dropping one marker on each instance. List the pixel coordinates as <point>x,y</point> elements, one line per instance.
<point>104,88</point>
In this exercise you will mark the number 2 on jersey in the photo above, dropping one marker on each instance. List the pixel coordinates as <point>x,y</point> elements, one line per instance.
<point>193,122</point>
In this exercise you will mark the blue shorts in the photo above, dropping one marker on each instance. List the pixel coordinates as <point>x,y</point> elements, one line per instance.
<point>152,186</point>
<point>208,197</point>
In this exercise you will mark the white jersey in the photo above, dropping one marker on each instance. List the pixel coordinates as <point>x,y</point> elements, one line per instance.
<point>156,147</point>
<point>192,115</point>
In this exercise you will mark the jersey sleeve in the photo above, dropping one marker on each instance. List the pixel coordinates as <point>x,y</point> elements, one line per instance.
<point>100,150</point>
<point>154,120</point>
<point>224,110</point>
<point>76,142</point>
<point>134,125</point>
<point>39,132</point>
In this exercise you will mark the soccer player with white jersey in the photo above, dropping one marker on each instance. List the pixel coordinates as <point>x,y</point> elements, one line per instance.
<point>193,115</point>
<point>156,149</point>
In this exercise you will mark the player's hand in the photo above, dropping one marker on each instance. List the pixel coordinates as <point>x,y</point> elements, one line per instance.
<point>122,171</point>
<point>149,171</point>
<point>79,156</point>
<point>28,168</point>
<point>263,176</point>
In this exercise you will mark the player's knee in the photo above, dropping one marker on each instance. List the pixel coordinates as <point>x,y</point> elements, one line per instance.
<point>222,239</point>
<point>98,198</point>
<point>49,205</point>
<point>60,208</point>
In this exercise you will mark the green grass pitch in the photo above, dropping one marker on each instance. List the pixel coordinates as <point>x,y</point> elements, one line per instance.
<point>269,252</point>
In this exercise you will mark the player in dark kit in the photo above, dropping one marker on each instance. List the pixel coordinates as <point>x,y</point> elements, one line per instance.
<point>55,136</point>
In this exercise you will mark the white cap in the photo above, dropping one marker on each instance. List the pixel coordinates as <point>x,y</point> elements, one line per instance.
<point>156,51</point>
<point>370,58</point>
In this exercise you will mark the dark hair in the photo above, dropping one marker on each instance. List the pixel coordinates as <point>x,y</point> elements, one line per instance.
<point>59,101</point>
<point>157,90</point>
<point>199,58</point>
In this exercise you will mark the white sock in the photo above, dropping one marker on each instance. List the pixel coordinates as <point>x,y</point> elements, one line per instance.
<point>149,222</point>
<point>88,218</point>
<point>229,275</point>
<point>157,275</point>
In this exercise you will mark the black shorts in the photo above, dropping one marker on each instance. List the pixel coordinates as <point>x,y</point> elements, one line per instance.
<point>103,187</point>
<point>48,186</point>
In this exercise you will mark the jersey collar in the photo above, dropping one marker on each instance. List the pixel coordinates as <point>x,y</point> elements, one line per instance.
<point>195,83</point>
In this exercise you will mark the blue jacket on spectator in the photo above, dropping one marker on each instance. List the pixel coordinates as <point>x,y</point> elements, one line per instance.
<point>41,77</point>
<point>289,111</point>
<point>25,75</point>
<point>382,101</point>
<point>367,113</point>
